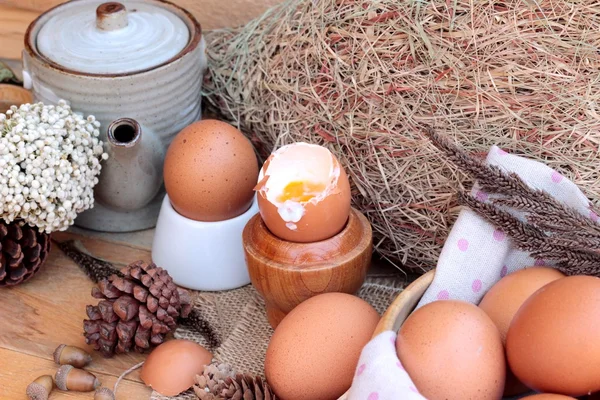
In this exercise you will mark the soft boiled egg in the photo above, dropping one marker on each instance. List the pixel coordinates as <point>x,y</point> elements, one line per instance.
<point>303,193</point>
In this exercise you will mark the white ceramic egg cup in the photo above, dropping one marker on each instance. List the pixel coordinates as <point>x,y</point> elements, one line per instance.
<point>200,255</point>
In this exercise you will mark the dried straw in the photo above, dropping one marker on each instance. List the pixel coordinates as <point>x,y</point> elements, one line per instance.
<point>363,77</point>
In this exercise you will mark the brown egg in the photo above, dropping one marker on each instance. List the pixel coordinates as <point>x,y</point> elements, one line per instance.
<point>503,300</point>
<point>452,351</point>
<point>548,396</point>
<point>303,193</point>
<point>552,343</point>
<point>171,367</point>
<point>210,171</point>
<point>314,351</point>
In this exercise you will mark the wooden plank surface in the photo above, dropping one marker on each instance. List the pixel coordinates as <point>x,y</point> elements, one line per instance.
<point>13,24</point>
<point>34,5</point>
<point>47,311</point>
<point>20,369</point>
<point>16,15</point>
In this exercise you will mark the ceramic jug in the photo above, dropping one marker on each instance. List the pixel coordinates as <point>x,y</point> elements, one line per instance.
<point>137,66</point>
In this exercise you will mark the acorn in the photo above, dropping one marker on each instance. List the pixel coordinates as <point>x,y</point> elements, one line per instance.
<point>74,379</point>
<point>104,393</point>
<point>40,388</point>
<point>71,355</point>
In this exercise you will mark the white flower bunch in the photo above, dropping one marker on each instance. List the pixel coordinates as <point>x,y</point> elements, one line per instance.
<point>49,164</point>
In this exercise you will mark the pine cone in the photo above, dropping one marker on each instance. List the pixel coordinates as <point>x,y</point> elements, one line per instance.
<point>23,250</point>
<point>136,310</point>
<point>219,382</point>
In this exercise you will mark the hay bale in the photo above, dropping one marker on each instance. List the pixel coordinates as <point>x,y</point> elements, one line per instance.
<point>361,77</point>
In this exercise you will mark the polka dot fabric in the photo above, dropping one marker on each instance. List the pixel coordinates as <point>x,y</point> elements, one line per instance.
<point>475,256</point>
<point>380,375</point>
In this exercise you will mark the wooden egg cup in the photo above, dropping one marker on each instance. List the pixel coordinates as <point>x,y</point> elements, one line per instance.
<point>287,273</point>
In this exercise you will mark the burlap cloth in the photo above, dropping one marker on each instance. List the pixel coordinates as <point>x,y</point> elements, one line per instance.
<point>239,321</point>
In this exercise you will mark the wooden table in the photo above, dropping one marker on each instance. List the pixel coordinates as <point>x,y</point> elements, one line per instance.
<point>47,311</point>
<point>13,24</point>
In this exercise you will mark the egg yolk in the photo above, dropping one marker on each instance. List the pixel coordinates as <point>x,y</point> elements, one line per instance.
<point>301,191</point>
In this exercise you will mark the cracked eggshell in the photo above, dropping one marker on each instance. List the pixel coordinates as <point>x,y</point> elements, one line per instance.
<point>171,367</point>
<point>319,218</point>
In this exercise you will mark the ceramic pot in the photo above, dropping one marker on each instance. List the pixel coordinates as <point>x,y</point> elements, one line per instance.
<point>138,68</point>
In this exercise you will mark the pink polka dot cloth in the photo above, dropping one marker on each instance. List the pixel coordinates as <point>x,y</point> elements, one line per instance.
<point>476,254</point>
<point>474,257</point>
<point>379,374</point>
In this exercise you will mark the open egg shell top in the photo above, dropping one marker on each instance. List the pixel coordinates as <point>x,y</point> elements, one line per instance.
<point>303,193</point>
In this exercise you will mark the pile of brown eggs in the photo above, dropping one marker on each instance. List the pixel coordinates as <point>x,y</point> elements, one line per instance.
<point>535,330</point>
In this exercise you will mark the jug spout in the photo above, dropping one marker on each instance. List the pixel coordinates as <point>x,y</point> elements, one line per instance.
<point>124,133</point>
<point>133,174</point>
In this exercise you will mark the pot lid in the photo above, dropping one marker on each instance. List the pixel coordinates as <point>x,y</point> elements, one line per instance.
<point>112,38</point>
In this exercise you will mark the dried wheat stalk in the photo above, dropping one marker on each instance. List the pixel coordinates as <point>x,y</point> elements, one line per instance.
<point>552,230</point>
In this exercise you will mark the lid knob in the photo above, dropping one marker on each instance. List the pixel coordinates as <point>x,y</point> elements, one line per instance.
<point>111,16</point>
